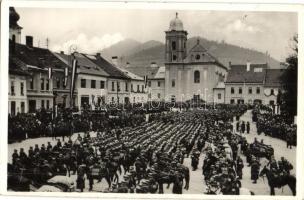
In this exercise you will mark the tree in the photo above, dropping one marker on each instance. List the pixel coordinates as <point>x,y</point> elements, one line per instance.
<point>290,81</point>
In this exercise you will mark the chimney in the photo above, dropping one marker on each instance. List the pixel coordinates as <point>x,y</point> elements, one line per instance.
<point>97,54</point>
<point>114,60</point>
<point>127,64</point>
<point>61,52</point>
<point>29,41</point>
<point>248,66</point>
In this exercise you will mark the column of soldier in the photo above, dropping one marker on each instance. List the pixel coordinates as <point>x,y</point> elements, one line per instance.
<point>275,125</point>
<point>148,155</point>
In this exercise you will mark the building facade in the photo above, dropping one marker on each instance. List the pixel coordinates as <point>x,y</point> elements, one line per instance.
<point>189,75</point>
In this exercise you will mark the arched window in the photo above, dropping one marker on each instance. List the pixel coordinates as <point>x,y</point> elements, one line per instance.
<point>196,76</point>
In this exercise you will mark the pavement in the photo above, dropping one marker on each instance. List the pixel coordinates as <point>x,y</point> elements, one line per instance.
<point>197,184</point>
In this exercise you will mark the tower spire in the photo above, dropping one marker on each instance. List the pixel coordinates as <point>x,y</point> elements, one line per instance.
<point>176,14</point>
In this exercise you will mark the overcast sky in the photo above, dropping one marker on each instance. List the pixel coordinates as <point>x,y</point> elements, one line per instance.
<point>94,29</point>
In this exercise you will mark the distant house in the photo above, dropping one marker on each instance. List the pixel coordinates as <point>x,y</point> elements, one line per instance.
<point>156,82</point>
<point>245,84</point>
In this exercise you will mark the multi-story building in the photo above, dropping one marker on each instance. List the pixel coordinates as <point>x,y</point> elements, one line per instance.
<point>90,85</point>
<point>189,74</point>
<point>273,85</point>
<point>17,95</point>
<point>245,84</point>
<point>156,83</point>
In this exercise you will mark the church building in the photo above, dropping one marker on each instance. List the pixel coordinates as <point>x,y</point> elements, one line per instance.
<point>189,74</point>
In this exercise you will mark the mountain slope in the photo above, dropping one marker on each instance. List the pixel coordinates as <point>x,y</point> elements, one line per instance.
<point>140,55</point>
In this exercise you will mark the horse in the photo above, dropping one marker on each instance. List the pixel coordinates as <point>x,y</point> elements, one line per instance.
<point>275,181</point>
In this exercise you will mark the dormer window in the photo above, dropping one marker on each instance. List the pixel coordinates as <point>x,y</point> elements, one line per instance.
<point>197,57</point>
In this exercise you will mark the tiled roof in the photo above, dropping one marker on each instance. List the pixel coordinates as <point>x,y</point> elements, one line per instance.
<point>17,67</point>
<point>34,56</point>
<point>273,77</point>
<point>160,73</point>
<point>239,73</point>
<point>85,65</point>
<point>200,55</point>
<point>131,75</point>
<point>113,71</point>
<point>220,85</point>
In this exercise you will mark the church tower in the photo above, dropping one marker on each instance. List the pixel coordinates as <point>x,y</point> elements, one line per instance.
<point>176,41</point>
<point>14,28</point>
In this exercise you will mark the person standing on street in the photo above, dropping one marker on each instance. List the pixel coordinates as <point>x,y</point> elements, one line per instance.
<point>248,127</point>
<point>255,170</point>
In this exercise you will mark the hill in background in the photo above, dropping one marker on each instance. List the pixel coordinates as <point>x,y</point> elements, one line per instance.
<point>140,55</point>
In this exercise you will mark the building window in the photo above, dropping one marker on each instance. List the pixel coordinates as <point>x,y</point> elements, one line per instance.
<point>118,86</point>
<point>83,83</point>
<point>118,100</point>
<point>232,90</point>
<point>13,108</point>
<point>127,88</point>
<point>137,88</point>
<point>132,88</point>
<point>12,88</point>
<point>113,86</point>
<point>197,57</point>
<point>149,83</point>
<point>173,45</point>
<point>158,83</point>
<point>22,107</point>
<point>47,84</point>
<point>271,92</point>
<point>47,104</point>
<point>93,83</point>
<point>42,103</point>
<point>42,84</point>
<point>172,99</point>
<point>240,90</point>
<point>22,89</point>
<point>219,96</point>
<point>58,83</point>
<point>196,76</point>
<point>102,84</point>
<point>250,90</point>
<point>158,95</point>
<point>232,101</point>
<point>174,57</point>
<point>173,83</point>
<point>142,88</point>
<point>63,81</point>
<point>258,90</point>
<point>32,83</point>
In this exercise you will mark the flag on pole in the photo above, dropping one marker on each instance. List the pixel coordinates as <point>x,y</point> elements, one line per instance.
<point>146,80</point>
<point>66,74</point>
<point>50,72</point>
<point>73,79</point>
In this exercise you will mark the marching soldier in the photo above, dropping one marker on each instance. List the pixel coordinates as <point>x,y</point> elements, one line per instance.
<point>255,170</point>
<point>239,167</point>
<point>248,127</point>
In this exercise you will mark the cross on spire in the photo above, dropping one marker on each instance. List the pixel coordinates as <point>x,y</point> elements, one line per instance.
<point>176,14</point>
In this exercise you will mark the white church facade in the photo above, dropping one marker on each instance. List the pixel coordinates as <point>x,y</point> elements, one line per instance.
<point>193,74</point>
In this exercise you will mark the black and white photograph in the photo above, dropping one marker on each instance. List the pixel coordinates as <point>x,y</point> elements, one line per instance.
<point>152,101</point>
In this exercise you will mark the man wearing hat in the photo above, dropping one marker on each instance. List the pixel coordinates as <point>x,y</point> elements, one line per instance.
<point>255,170</point>
<point>15,156</point>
